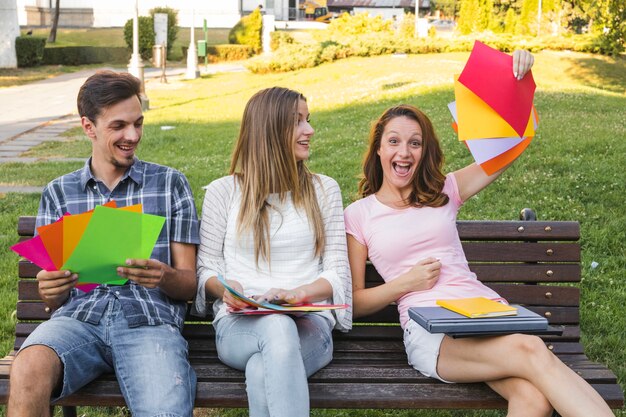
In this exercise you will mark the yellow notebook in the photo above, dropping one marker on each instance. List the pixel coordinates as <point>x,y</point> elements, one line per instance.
<point>478,307</point>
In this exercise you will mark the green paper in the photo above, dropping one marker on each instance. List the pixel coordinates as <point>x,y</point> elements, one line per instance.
<point>111,237</point>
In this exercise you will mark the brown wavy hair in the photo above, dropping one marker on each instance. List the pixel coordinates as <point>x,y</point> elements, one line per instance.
<point>428,179</point>
<point>264,162</point>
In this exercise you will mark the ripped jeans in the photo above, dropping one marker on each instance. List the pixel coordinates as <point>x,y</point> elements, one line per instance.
<point>150,362</point>
<point>278,352</point>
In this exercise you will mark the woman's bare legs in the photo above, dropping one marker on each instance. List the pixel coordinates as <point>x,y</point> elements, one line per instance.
<point>522,356</point>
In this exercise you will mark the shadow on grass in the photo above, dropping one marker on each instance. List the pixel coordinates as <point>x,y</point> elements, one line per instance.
<point>595,72</point>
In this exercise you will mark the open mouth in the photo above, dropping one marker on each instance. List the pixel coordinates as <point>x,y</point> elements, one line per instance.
<point>127,149</point>
<point>401,168</point>
<point>303,142</point>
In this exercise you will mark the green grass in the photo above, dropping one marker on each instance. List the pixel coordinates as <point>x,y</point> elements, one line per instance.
<point>573,170</point>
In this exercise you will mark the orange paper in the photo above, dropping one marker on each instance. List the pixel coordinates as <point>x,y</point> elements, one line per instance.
<point>494,165</point>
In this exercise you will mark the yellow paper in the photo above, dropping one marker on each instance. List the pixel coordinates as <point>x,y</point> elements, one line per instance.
<point>476,120</point>
<point>478,307</point>
<point>137,208</point>
<point>73,229</point>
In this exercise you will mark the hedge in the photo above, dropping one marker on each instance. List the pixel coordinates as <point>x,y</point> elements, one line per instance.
<point>29,50</point>
<point>225,52</point>
<point>82,55</point>
<point>290,57</point>
<point>218,53</point>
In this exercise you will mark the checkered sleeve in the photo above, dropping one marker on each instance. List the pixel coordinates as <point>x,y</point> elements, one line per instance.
<point>184,218</point>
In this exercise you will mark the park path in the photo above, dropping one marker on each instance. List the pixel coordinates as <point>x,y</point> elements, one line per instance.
<point>42,111</point>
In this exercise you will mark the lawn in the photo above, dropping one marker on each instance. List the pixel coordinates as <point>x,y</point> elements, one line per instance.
<point>571,171</point>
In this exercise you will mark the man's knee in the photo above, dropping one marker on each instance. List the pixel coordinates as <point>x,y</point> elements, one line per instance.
<point>36,366</point>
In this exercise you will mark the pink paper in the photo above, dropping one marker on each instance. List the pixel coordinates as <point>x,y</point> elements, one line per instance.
<point>35,251</point>
<point>489,74</point>
<point>86,287</point>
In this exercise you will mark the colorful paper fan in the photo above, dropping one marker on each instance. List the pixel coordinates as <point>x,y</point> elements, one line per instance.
<point>93,244</point>
<point>493,112</point>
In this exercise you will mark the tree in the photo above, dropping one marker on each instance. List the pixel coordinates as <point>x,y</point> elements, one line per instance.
<point>248,31</point>
<point>610,18</point>
<point>55,22</point>
<point>468,16</point>
<point>485,15</point>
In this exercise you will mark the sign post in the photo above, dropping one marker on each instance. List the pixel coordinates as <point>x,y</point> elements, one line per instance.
<point>160,43</point>
<point>206,43</point>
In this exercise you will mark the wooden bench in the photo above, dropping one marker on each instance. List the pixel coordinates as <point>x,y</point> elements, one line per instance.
<point>525,261</point>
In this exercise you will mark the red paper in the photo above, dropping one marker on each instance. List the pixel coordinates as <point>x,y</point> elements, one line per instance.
<point>489,74</point>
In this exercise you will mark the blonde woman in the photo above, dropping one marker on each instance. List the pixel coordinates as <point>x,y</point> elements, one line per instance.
<point>274,231</point>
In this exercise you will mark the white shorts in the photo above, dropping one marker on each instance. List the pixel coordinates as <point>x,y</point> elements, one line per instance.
<point>422,349</point>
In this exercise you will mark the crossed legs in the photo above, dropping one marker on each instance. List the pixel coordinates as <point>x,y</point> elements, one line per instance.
<point>522,370</point>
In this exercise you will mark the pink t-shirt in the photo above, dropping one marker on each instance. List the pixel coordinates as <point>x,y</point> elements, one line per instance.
<point>396,239</point>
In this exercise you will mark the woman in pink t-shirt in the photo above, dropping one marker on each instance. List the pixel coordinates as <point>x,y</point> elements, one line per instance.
<point>406,225</point>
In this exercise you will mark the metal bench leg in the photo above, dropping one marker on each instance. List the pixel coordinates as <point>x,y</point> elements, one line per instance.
<point>69,411</point>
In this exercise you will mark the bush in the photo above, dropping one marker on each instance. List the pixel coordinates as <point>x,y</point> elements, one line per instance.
<point>218,53</point>
<point>146,36</point>
<point>248,31</point>
<point>359,24</point>
<point>83,55</point>
<point>288,58</point>
<point>407,26</point>
<point>172,24</point>
<point>29,50</point>
<point>279,38</point>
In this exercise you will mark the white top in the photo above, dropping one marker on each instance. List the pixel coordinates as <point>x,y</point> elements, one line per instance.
<point>292,247</point>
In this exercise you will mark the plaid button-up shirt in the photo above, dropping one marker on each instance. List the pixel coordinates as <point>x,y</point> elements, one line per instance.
<point>162,191</point>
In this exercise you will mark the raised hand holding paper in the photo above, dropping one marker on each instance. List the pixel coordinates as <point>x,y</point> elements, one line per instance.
<point>493,111</point>
<point>489,74</point>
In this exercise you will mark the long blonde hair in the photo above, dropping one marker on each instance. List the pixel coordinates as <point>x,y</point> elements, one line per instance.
<point>264,162</point>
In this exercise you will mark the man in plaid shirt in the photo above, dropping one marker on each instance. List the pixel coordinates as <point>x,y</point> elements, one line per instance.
<point>134,329</point>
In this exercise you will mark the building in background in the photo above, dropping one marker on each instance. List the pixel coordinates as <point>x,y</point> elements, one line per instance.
<point>388,9</point>
<point>115,13</point>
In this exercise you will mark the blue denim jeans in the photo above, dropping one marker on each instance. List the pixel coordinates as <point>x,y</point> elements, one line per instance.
<point>150,362</point>
<point>278,352</point>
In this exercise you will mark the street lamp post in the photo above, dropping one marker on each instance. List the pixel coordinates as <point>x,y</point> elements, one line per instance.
<point>539,19</point>
<point>192,52</point>
<point>135,66</point>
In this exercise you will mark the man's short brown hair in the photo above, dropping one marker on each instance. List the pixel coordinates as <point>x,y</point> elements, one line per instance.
<point>104,89</point>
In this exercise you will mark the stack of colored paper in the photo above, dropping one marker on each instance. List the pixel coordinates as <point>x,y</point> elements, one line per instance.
<point>493,112</point>
<point>93,244</point>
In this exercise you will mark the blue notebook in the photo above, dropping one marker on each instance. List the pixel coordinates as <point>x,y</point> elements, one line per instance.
<point>441,320</point>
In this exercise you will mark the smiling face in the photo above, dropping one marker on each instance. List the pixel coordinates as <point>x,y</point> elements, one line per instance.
<point>400,152</point>
<point>303,132</point>
<point>115,135</point>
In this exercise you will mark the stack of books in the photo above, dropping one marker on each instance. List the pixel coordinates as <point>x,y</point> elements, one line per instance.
<point>479,317</point>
